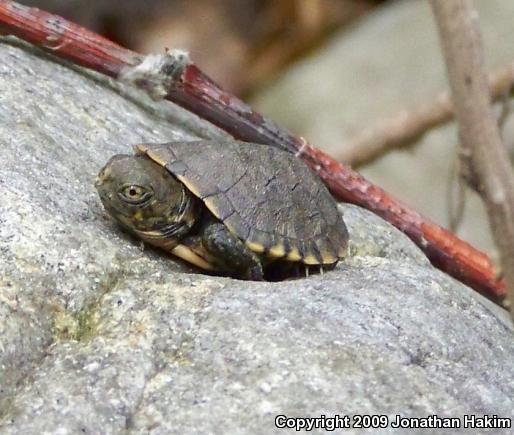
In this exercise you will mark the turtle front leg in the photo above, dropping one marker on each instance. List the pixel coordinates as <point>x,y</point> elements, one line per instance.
<point>231,254</point>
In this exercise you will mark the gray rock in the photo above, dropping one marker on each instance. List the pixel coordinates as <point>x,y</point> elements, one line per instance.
<point>98,336</point>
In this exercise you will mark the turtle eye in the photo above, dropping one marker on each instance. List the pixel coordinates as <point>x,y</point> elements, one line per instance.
<point>135,194</point>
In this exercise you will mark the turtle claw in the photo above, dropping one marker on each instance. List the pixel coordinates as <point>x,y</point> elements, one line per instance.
<point>256,273</point>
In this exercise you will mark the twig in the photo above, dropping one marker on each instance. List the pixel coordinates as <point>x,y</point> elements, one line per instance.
<point>455,195</point>
<point>479,133</point>
<point>190,88</point>
<point>409,126</point>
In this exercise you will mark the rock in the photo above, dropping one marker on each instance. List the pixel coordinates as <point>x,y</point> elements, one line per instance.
<point>388,62</point>
<point>99,336</point>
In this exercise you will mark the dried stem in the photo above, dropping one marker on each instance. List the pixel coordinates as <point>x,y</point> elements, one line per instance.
<point>408,126</point>
<point>190,88</point>
<point>478,130</point>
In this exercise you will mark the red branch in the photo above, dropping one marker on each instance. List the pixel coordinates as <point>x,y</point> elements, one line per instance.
<point>193,90</point>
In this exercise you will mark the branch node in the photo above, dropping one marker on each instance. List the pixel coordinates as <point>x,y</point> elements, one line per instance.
<point>302,148</point>
<point>157,73</point>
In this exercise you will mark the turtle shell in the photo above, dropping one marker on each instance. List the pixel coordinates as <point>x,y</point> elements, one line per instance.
<point>265,196</point>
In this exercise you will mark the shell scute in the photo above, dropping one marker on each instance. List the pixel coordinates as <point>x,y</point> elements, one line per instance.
<point>267,197</point>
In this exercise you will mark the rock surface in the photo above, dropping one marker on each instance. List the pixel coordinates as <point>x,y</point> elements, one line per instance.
<point>98,336</point>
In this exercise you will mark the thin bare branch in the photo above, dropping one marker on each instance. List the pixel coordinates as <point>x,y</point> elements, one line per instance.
<point>478,130</point>
<point>407,127</point>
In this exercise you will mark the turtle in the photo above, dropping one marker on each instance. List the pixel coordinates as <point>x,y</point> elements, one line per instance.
<point>229,207</point>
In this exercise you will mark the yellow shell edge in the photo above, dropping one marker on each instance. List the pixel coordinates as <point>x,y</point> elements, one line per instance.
<point>255,247</point>
<point>277,251</point>
<point>140,148</point>
<point>311,260</point>
<point>209,203</point>
<point>294,255</point>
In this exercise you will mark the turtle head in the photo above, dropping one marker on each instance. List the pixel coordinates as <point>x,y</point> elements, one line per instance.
<point>146,199</point>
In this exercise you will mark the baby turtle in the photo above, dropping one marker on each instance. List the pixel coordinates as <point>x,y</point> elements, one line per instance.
<point>231,207</point>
